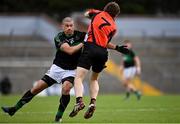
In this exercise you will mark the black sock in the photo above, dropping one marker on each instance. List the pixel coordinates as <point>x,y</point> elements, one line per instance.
<point>93,101</point>
<point>78,99</point>
<point>25,99</point>
<point>64,101</point>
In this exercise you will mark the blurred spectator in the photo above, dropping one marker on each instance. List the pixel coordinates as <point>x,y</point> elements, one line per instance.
<point>5,86</point>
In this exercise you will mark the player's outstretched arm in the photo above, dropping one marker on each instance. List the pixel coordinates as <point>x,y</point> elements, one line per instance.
<point>138,64</point>
<point>120,48</point>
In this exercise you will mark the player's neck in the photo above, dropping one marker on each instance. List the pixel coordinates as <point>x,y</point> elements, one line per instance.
<point>69,35</point>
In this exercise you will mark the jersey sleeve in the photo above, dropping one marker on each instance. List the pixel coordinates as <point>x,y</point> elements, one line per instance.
<point>82,37</point>
<point>59,40</point>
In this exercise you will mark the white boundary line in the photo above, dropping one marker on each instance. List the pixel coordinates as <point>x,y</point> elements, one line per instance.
<point>116,110</point>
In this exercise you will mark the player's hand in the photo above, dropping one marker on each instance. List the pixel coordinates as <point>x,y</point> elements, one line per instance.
<point>86,14</point>
<point>122,49</point>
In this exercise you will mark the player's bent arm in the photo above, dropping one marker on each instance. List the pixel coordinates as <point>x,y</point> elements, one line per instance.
<point>70,49</point>
<point>138,64</point>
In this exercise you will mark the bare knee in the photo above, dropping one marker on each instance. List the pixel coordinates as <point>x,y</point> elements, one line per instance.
<point>125,83</point>
<point>66,87</point>
<point>40,85</point>
<point>94,76</point>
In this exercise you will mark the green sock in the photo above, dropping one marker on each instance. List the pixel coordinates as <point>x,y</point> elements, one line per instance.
<point>138,94</point>
<point>128,94</point>
<point>18,105</point>
<point>64,101</point>
<point>59,113</point>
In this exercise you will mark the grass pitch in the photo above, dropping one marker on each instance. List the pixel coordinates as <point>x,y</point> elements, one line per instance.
<point>110,109</point>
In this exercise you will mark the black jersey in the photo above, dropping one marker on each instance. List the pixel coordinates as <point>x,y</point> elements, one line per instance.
<point>62,59</point>
<point>128,59</point>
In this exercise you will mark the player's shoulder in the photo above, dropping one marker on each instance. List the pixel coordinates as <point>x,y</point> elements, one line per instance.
<point>79,33</point>
<point>132,53</point>
<point>59,36</point>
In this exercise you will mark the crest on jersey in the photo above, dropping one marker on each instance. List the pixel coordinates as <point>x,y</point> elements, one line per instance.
<point>71,40</point>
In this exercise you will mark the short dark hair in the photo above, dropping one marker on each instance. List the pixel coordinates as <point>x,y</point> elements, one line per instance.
<point>112,8</point>
<point>67,19</point>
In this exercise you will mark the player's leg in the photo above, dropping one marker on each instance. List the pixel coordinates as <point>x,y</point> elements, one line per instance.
<point>48,80</point>
<point>130,88</point>
<point>94,86</point>
<point>128,74</point>
<point>67,84</point>
<point>125,83</point>
<point>78,86</point>
<point>94,89</point>
<point>83,67</point>
<point>27,97</point>
<point>98,65</point>
<point>133,89</point>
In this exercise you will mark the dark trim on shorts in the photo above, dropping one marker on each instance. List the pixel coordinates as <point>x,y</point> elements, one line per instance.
<point>50,81</point>
<point>70,79</point>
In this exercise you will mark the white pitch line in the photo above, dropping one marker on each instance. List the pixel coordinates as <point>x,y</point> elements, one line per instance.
<point>32,113</point>
<point>114,110</point>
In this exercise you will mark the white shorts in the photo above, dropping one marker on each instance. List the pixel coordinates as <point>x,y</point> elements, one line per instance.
<point>129,72</point>
<point>57,73</point>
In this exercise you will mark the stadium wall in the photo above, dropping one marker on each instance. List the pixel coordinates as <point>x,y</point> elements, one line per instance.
<point>28,25</point>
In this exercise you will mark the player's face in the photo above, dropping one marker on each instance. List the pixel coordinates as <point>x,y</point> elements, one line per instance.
<point>68,28</point>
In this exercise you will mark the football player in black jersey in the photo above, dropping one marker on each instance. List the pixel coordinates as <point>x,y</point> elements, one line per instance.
<point>68,44</point>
